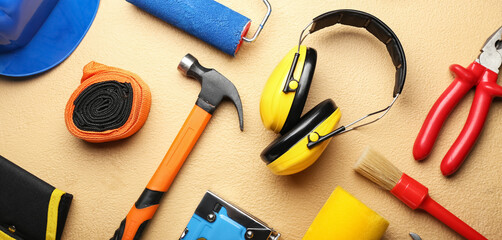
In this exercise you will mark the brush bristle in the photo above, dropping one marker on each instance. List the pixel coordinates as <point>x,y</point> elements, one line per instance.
<point>378,169</point>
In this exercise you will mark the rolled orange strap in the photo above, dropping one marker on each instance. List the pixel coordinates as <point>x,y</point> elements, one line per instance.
<point>110,104</point>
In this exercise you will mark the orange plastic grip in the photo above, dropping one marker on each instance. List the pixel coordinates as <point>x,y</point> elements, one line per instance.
<point>146,206</point>
<point>110,104</point>
<point>135,218</point>
<point>179,150</point>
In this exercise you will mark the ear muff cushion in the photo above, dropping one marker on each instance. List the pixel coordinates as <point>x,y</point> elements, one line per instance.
<point>306,124</point>
<point>275,105</point>
<point>302,91</point>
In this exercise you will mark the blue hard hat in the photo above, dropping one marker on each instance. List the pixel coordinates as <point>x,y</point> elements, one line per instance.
<point>37,35</point>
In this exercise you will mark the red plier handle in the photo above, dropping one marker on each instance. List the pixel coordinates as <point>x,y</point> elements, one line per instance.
<point>466,78</point>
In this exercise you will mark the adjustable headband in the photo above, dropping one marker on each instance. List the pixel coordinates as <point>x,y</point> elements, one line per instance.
<point>378,29</point>
<point>373,25</point>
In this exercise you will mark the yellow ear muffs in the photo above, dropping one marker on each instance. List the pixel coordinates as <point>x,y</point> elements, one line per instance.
<point>280,111</point>
<point>289,153</point>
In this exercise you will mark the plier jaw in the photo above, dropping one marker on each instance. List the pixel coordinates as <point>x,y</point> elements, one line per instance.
<point>415,236</point>
<point>491,53</point>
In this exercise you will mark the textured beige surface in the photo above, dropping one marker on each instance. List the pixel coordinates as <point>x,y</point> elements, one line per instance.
<point>353,68</point>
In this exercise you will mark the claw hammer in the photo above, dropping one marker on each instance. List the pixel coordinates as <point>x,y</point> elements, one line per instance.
<point>215,87</point>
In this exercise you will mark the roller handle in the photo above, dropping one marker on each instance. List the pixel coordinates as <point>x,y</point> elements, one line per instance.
<point>136,220</point>
<point>452,221</point>
<point>464,81</point>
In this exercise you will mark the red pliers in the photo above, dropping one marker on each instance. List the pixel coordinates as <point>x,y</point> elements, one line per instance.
<point>483,74</point>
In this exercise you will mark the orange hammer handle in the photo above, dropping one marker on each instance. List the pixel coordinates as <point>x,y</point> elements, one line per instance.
<point>179,150</point>
<point>144,209</point>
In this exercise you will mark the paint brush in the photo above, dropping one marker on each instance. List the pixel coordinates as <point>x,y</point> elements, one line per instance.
<point>378,169</point>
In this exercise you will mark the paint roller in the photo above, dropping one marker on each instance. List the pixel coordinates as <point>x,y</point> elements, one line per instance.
<point>207,20</point>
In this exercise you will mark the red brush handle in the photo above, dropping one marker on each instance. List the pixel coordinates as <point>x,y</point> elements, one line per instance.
<point>452,221</point>
<point>464,81</point>
<point>416,196</point>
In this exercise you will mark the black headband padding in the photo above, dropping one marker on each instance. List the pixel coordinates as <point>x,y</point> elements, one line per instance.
<point>400,74</point>
<point>376,27</point>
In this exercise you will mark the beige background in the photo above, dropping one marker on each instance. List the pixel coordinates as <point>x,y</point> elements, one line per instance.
<point>353,68</point>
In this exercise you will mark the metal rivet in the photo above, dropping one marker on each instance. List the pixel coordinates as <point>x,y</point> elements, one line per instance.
<point>293,85</point>
<point>249,234</point>
<point>12,229</point>
<point>314,137</point>
<point>211,217</point>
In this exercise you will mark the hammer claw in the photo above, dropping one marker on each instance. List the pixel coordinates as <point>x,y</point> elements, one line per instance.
<point>238,105</point>
<point>215,86</point>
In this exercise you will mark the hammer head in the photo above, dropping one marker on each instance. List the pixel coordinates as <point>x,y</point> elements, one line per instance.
<point>215,86</point>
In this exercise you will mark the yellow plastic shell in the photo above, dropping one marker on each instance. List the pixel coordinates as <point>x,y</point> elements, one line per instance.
<point>343,217</point>
<point>275,104</point>
<point>4,236</point>
<point>299,157</point>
